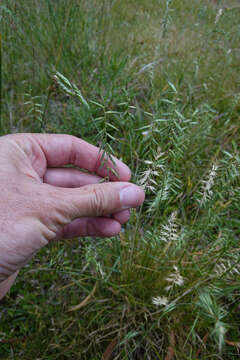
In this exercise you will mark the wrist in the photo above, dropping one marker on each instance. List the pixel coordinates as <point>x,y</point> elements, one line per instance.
<point>6,284</point>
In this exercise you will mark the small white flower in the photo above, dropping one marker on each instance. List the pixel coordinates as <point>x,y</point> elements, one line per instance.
<point>175,279</point>
<point>227,267</point>
<point>150,177</point>
<point>219,14</point>
<point>206,190</point>
<point>160,300</point>
<point>169,232</point>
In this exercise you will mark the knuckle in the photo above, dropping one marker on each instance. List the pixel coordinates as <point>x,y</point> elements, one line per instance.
<point>97,202</point>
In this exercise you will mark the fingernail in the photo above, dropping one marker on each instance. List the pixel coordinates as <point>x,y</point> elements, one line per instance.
<point>131,196</point>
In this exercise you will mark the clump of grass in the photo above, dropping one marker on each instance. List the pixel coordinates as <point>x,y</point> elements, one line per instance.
<point>164,97</point>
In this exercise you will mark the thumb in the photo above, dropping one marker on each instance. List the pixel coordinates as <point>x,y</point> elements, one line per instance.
<point>99,199</point>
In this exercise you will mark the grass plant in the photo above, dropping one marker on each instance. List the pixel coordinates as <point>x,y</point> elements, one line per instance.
<point>155,83</point>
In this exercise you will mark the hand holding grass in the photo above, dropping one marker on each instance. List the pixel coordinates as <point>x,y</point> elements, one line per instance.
<point>41,201</point>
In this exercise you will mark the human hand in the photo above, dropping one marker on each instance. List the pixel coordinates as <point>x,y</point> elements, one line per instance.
<point>42,202</point>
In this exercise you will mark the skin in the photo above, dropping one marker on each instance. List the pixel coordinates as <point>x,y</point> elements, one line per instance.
<point>42,202</point>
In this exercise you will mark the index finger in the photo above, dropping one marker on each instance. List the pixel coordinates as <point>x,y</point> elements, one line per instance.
<point>60,150</point>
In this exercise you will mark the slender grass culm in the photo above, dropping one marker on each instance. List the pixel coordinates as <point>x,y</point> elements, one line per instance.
<point>156,84</point>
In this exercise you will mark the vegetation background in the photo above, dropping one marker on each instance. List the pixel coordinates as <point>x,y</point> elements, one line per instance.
<point>157,83</point>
